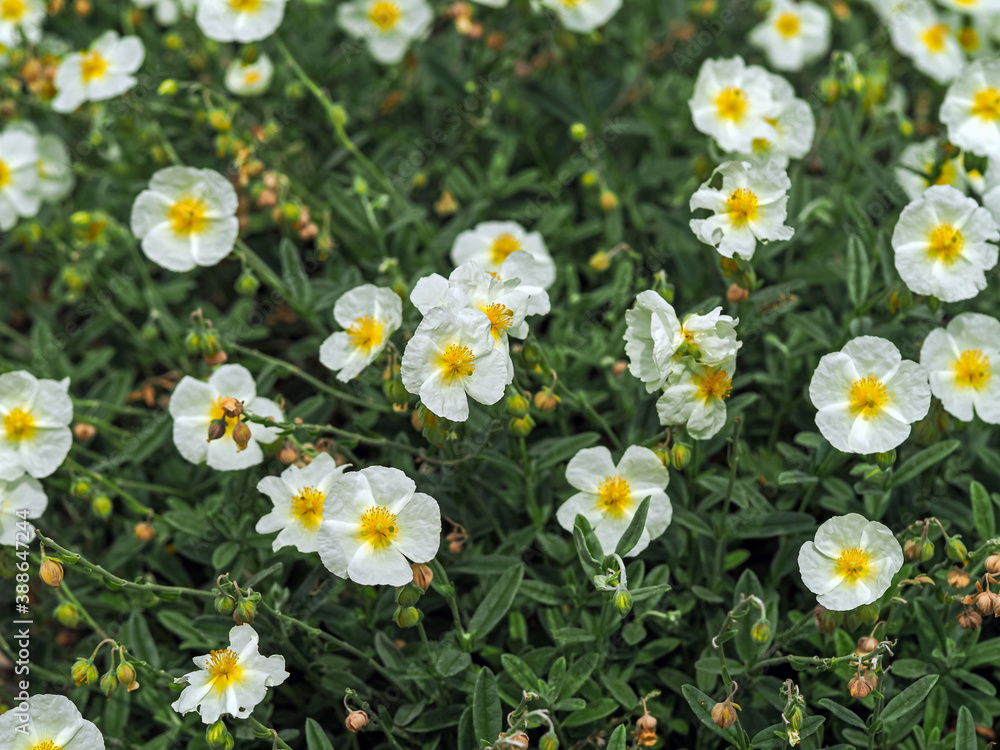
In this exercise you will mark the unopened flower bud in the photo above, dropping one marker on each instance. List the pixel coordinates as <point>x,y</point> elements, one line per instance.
<point>288,453</point>
<point>549,741</point>
<point>408,595</point>
<point>218,737</point>
<point>51,571</point>
<point>736,293</point>
<point>80,488</point>
<point>578,131</point>
<point>868,613</point>
<point>245,612</point>
<point>356,721</point>
<point>247,284</point>
<point>680,455</point>
<point>970,620</point>
<point>993,564</point>
<point>241,436</point>
<point>225,604</point>
<point>406,617</point>
<point>958,577</point>
<point>623,602</point>
<point>866,644</point>
<point>600,261</point>
<point>521,426</point>
<point>396,392</point>
<point>886,459</point>
<point>957,551</point>
<point>216,429</point>
<point>860,686</point>
<point>422,575</point>
<point>108,685</point>
<point>84,671</point>
<point>144,531</point>
<point>546,400</point>
<point>724,714</point>
<point>67,615</point>
<point>609,201</point>
<point>761,631</point>
<point>125,673</point>
<point>84,431</point>
<point>517,405</point>
<point>101,507</point>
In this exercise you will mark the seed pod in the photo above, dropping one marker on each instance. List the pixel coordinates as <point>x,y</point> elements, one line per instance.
<point>970,619</point>
<point>356,721</point>
<point>958,578</point>
<point>216,429</point>
<point>125,673</point>
<point>241,436</point>
<point>51,571</point>
<point>866,644</point>
<point>724,714</point>
<point>108,685</point>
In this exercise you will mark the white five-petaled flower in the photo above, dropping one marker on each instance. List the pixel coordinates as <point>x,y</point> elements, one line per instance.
<point>232,680</point>
<point>793,34</point>
<point>194,405</point>
<point>450,357</point>
<point>299,498</point>
<point>369,315</point>
<point>696,397</point>
<point>734,104</point>
<point>794,126</point>
<point>239,20</point>
<point>506,250</point>
<point>19,17</point>
<point>250,79</point>
<point>387,25</point>
<point>943,244</point>
<point>19,195</point>
<point>376,522</point>
<point>751,205</point>
<point>36,414</point>
<point>920,159</point>
<point>850,562</point>
<point>56,724</point>
<point>971,109</point>
<point>20,499</point>
<point>609,495</point>
<point>102,72</point>
<point>582,16</point>
<point>186,218</point>
<point>867,396</point>
<point>920,34</point>
<point>960,360</point>
<point>471,287</point>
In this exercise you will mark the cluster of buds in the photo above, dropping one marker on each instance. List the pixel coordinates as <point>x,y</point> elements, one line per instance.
<point>724,714</point>
<point>230,600</point>
<point>204,340</point>
<point>919,548</point>
<point>39,75</point>
<point>84,671</point>
<point>407,615</point>
<point>982,603</point>
<point>232,418</point>
<point>829,620</point>
<point>793,713</point>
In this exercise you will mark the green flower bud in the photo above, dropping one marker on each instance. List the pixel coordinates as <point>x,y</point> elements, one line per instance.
<point>886,459</point>
<point>167,88</point>
<point>192,343</point>
<point>247,285</point>
<point>868,613</point>
<point>208,343</point>
<point>548,742</point>
<point>623,602</point>
<point>67,615</point>
<point>218,737</point>
<point>108,685</point>
<point>406,617</point>
<point>761,632</point>
<point>578,131</point>
<point>101,507</point>
<point>395,391</point>
<point>531,354</point>
<point>245,612</point>
<point>225,604</point>
<point>125,673</point>
<point>957,551</point>
<point>84,671</point>
<point>338,115</point>
<point>517,405</point>
<point>408,595</point>
<point>81,489</point>
<point>521,426</point>
<point>360,186</point>
<point>680,454</point>
<point>927,551</point>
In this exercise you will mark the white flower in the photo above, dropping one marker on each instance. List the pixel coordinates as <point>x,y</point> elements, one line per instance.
<point>609,495</point>
<point>697,397</point>
<point>370,316</point>
<point>793,34</point>
<point>167,12</point>
<point>990,189</point>
<point>299,498</point>
<point>583,15</point>
<point>943,244</point>
<point>850,562</point>
<point>920,34</point>
<point>250,79</point>
<point>960,360</point>
<point>867,396</point>
<point>388,25</point>
<point>19,195</point>
<point>103,72</point>
<point>195,404</point>
<point>36,415</point>
<point>971,109</point>
<point>20,499</point>
<point>734,103</point>
<point>503,248</point>
<point>230,681</point>
<point>470,287</point>
<point>54,166</point>
<point>55,723</point>
<point>239,20</point>
<point>19,17</point>
<point>751,205</point>
<point>978,8</point>
<point>186,218</point>
<point>794,126</point>
<point>376,522</point>
<point>920,159</point>
<point>450,356</point>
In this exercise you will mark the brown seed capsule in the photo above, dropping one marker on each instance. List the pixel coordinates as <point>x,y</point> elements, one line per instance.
<point>958,578</point>
<point>645,730</point>
<point>736,293</point>
<point>241,436</point>
<point>288,454</point>
<point>84,431</point>
<point>422,575</point>
<point>859,687</point>
<point>984,603</point>
<point>144,531</point>
<point>970,619</point>
<point>216,429</point>
<point>993,564</point>
<point>231,407</point>
<point>51,571</point>
<point>866,644</point>
<point>546,400</point>
<point>724,714</point>
<point>356,721</point>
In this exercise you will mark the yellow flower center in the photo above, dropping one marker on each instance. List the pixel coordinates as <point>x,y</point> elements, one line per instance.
<point>742,207</point>
<point>986,104</point>
<point>788,24</point>
<point>761,145</point>
<point>949,174</point>
<point>732,103</point>
<point>852,563</point>
<point>93,66</point>
<point>245,6</point>
<point>187,216</point>
<point>307,507</point>
<point>219,413</point>
<point>224,669</point>
<point>572,3</point>
<point>503,246</point>
<point>456,361</point>
<point>935,36</point>
<point>19,424</point>
<point>614,496</point>
<point>251,77</point>
<point>868,396</point>
<point>501,319</point>
<point>366,333</point>
<point>13,10</point>
<point>46,745</point>
<point>945,244</point>
<point>4,174</point>
<point>715,384</point>
<point>385,15</point>
<point>378,527</point>
<point>968,37</point>
<point>972,370</point>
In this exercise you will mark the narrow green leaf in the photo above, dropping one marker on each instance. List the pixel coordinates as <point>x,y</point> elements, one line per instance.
<point>521,672</point>
<point>634,531</point>
<point>858,270</point>
<point>578,674</point>
<point>965,732</point>
<point>920,462</point>
<point>586,543</point>
<point>292,272</point>
<point>617,739</point>
<point>909,699</point>
<point>594,710</point>
<point>486,716</point>
<point>982,511</point>
<point>493,608</point>
<point>843,713</point>
<point>316,738</point>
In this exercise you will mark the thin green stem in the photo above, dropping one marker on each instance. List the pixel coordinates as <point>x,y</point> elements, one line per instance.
<point>112,485</point>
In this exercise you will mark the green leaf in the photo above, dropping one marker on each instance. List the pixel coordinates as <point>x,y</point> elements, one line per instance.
<point>292,272</point>
<point>617,739</point>
<point>634,531</point>
<point>702,704</point>
<point>843,713</point>
<point>316,738</point>
<point>521,672</point>
<point>139,640</point>
<point>586,543</point>
<point>965,731</point>
<point>595,710</point>
<point>982,511</point>
<point>578,674</point>
<point>858,270</point>
<point>920,462</point>
<point>224,554</point>
<point>494,606</point>
<point>486,717</point>
<point>909,699</point>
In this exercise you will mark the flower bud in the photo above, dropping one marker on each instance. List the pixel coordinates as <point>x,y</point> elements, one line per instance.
<point>144,531</point>
<point>406,617</point>
<point>396,392</point>
<point>356,721</point>
<point>288,453</point>
<point>970,619</point>
<point>546,400</point>
<point>958,577</point>
<point>609,201</point>
<point>886,459</point>
<point>225,604</point>
<point>623,602</point>
<point>422,575</point>
<point>84,671</point>
<point>125,673</point>
<point>645,730</point>
<point>724,714</point>
<point>521,426</point>
<point>241,436</point>
<point>578,131</point>
<point>866,644</point>
<point>67,615</point>
<point>247,284</point>
<point>245,612</point>
<point>408,595</point>
<point>101,507</point>
<point>108,685</point>
<point>761,631</point>
<point>192,343</point>
<point>957,551</point>
<point>549,741</point>
<point>216,429</point>
<point>680,454</point>
<point>80,489</point>
<point>600,261</point>
<point>517,405</point>
<point>868,613</point>
<point>218,737</point>
<point>993,564</point>
<point>84,431</point>
<point>51,571</point>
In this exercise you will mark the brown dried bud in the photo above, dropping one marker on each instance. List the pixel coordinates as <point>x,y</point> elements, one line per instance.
<point>970,619</point>
<point>866,644</point>
<point>517,741</point>
<point>859,686</point>
<point>84,431</point>
<point>645,731</point>
<point>619,368</point>
<point>455,547</point>
<point>993,564</point>
<point>231,407</point>
<point>356,721</point>
<point>546,400</point>
<point>144,531</point>
<point>216,429</point>
<point>736,293</point>
<point>51,571</point>
<point>422,575</point>
<point>212,360</point>
<point>724,714</point>
<point>241,436</point>
<point>958,578</point>
<point>288,454</point>
<point>985,603</point>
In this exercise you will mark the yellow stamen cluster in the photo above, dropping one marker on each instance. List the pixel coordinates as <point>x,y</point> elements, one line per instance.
<point>93,66</point>
<point>614,496</point>
<point>788,24</point>
<point>972,370</point>
<point>501,319</point>
<point>456,361</point>
<point>986,103</point>
<point>715,384</point>
<point>246,6</point>
<point>188,216</point>
<point>307,507</point>
<point>935,37</point>
<point>385,15</point>
<point>18,424</point>
<point>366,333</point>
<point>224,669</point>
<point>945,244</point>
<point>503,246</point>
<point>13,10</point>
<point>732,103</point>
<point>742,207</point>
<point>378,527</point>
<point>868,396</point>
<point>852,563</point>
<point>4,174</point>
<point>46,745</point>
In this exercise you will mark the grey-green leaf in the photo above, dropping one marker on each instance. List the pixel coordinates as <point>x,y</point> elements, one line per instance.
<point>909,699</point>
<point>486,716</point>
<point>634,530</point>
<point>316,738</point>
<point>497,601</point>
<point>920,462</point>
